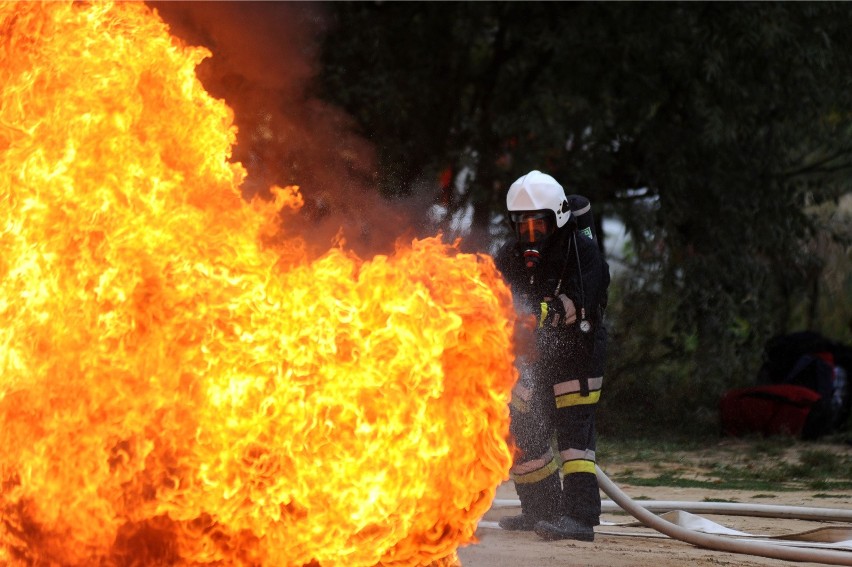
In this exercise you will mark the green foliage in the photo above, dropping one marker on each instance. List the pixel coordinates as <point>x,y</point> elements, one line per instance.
<point>707,128</point>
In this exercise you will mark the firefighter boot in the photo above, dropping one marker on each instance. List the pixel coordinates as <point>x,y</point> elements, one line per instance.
<point>565,527</point>
<point>521,522</point>
<point>539,502</point>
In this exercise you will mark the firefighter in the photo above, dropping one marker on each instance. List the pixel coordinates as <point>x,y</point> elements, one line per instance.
<point>557,273</point>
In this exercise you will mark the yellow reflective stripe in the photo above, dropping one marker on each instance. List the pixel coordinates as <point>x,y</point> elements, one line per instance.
<point>568,400</point>
<point>577,454</point>
<point>522,391</point>
<point>578,466</point>
<point>533,464</point>
<point>543,314</point>
<point>537,475</point>
<point>570,386</point>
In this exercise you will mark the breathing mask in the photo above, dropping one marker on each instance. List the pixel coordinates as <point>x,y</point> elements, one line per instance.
<point>533,229</point>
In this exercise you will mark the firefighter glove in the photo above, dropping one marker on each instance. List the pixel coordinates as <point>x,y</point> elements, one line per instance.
<point>555,311</point>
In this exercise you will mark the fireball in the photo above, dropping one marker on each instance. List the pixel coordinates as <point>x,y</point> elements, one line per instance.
<point>178,387</point>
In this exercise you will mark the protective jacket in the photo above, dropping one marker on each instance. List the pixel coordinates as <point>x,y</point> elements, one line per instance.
<point>564,349</point>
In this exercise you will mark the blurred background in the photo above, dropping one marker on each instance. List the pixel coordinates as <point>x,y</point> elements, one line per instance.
<point>714,141</point>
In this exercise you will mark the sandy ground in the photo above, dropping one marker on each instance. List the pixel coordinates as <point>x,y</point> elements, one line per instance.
<point>620,546</point>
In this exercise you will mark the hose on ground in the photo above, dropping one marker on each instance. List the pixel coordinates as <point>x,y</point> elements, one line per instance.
<point>740,509</point>
<point>723,508</point>
<point>718,543</point>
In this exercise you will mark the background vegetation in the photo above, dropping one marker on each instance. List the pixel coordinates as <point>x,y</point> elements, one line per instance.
<point>719,134</point>
<point>769,466</point>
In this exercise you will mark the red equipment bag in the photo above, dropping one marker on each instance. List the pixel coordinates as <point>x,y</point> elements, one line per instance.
<point>775,409</point>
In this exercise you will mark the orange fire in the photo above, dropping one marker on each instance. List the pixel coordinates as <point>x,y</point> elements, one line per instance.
<point>175,392</point>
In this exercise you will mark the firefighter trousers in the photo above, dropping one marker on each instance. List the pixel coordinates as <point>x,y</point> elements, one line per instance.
<point>561,416</point>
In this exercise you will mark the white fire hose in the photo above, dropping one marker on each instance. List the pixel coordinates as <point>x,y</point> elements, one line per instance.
<point>718,543</point>
<point>642,512</point>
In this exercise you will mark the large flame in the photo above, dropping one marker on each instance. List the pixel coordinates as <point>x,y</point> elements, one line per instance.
<point>172,390</point>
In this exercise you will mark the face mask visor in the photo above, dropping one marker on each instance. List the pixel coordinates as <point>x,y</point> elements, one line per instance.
<point>533,228</point>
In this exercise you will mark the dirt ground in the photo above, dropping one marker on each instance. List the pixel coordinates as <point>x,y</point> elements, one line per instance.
<point>622,546</point>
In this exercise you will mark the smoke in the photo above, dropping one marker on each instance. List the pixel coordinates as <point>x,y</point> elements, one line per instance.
<point>265,60</point>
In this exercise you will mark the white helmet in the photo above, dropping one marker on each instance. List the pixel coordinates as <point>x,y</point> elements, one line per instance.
<point>538,191</point>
